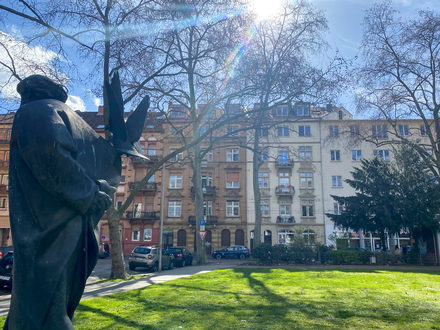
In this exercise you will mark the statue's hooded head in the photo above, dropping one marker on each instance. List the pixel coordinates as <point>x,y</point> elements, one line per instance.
<point>37,87</point>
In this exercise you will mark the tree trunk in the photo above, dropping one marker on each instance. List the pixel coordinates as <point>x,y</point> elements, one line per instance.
<point>198,198</point>
<point>257,195</point>
<point>116,252</point>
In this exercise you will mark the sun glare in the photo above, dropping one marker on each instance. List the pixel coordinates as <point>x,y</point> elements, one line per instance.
<point>265,9</point>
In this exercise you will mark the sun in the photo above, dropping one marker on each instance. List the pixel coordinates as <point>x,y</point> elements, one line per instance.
<point>265,9</point>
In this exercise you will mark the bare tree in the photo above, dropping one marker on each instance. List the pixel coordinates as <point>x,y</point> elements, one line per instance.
<point>279,68</point>
<point>399,75</point>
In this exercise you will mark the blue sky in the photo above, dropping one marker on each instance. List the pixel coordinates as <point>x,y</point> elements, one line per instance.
<point>345,24</point>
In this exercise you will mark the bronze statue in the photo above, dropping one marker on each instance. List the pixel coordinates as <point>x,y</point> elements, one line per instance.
<point>61,175</point>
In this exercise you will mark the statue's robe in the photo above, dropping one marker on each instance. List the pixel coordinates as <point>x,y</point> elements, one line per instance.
<point>56,159</point>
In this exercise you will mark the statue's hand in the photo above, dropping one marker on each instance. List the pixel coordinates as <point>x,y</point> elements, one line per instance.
<point>105,187</point>
<point>100,203</point>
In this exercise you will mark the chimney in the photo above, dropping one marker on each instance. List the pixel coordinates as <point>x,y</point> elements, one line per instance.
<point>101,110</point>
<point>329,107</point>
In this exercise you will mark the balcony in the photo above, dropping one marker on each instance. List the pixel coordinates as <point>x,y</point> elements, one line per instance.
<point>5,141</point>
<point>151,159</point>
<point>284,163</point>
<point>149,186</point>
<point>144,215</point>
<point>285,219</point>
<point>210,219</point>
<point>4,163</point>
<point>285,191</point>
<point>207,191</point>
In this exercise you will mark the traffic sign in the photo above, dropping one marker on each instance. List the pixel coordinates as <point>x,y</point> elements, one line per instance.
<point>202,234</point>
<point>103,237</point>
<point>202,222</point>
<point>202,228</point>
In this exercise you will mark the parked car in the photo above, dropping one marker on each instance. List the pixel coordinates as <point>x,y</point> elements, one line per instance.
<point>104,250</point>
<point>182,256</point>
<point>233,251</point>
<point>6,264</point>
<point>148,257</point>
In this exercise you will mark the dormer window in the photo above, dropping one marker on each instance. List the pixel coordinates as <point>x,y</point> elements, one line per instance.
<point>177,113</point>
<point>282,111</point>
<point>303,111</point>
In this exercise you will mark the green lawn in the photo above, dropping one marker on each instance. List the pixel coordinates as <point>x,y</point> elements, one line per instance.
<point>263,298</point>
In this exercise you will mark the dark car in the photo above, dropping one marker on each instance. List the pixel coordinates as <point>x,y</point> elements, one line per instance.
<point>104,250</point>
<point>182,255</point>
<point>6,263</point>
<point>233,251</point>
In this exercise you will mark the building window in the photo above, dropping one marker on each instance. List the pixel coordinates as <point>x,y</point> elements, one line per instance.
<point>176,158</point>
<point>304,130</point>
<point>336,181</point>
<point>206,180</point>
<point>226,237</point>
<point>282,111</point>
<point>307,208</point>
<point>382,154</point>
<point>309,237</point>
<point>380,131</point>
<point>5,179</point>
<point>334,130</point>
<point>337,208</point>
<point>3,203</point>
<point>174,208</point>
<point>303,111</point>
<point>202,130</point>
<point>283,158</point>
<point>233,110</point>
<point>265,212</point>
<point>354,130</point>
<point>208,156</point>
<point>175,181</point>
<point>263,180</point>
<point>232,155</point>
<point>285,236</point>
<point>340,115</point>
<point>335,155</point>
<point>356,155</point>
<point>232,208</point>
<point>283,131</point>
<point>285,210</point>
<point>233,130</point>
<point>284,179</point>
<point>305,154</point>
<point>135,235</point>
<point>306,180</point>
<point>137,210</point>
<point>207,208</point>
<point>423,130</point>
<point>178,113</point>
<point>264,132</point>
<point>262,154</point>
<point>147,234</point>
<point>181,237</point>
<point>151,179</point>
<point>403,130</point>
<point>232,180</point>
<point>118,205</point>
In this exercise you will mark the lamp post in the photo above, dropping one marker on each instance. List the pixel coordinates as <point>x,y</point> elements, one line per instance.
<point>162,202</point>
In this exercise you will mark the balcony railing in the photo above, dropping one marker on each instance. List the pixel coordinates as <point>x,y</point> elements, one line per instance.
<point>285,219</point>
<point>284,163</point>
<point>285,191</point>
<point>4,163</point>
<point>143,215</point>
<point>210,219</point>
<point>207,191</point>
<point>149,186</point>
<point>151,159</point>
<point>5,141</point>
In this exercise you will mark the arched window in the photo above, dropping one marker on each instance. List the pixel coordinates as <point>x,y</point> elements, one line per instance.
<point>226,237</point>
<point>268,237</point>
<point>181,237</point>
<point>239,237</point>
<point>309,237</point>
<point>285,236</point>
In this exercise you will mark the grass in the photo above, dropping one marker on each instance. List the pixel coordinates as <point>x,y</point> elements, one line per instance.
<point>129,278</point>
<point>262,298</point>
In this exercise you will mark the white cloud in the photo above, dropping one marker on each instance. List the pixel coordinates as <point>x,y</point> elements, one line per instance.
<point>97,101</point>
<point>75,103</point>
<point>26,60</point>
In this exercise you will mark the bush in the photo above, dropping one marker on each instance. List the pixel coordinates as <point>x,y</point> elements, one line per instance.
<point>263,252</point>
<point>284,253</point>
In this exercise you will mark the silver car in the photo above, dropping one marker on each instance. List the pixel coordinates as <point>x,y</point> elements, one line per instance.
<point>148,257</point>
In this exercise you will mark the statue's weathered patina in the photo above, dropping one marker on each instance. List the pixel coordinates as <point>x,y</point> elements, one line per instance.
<point>61,175</point>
